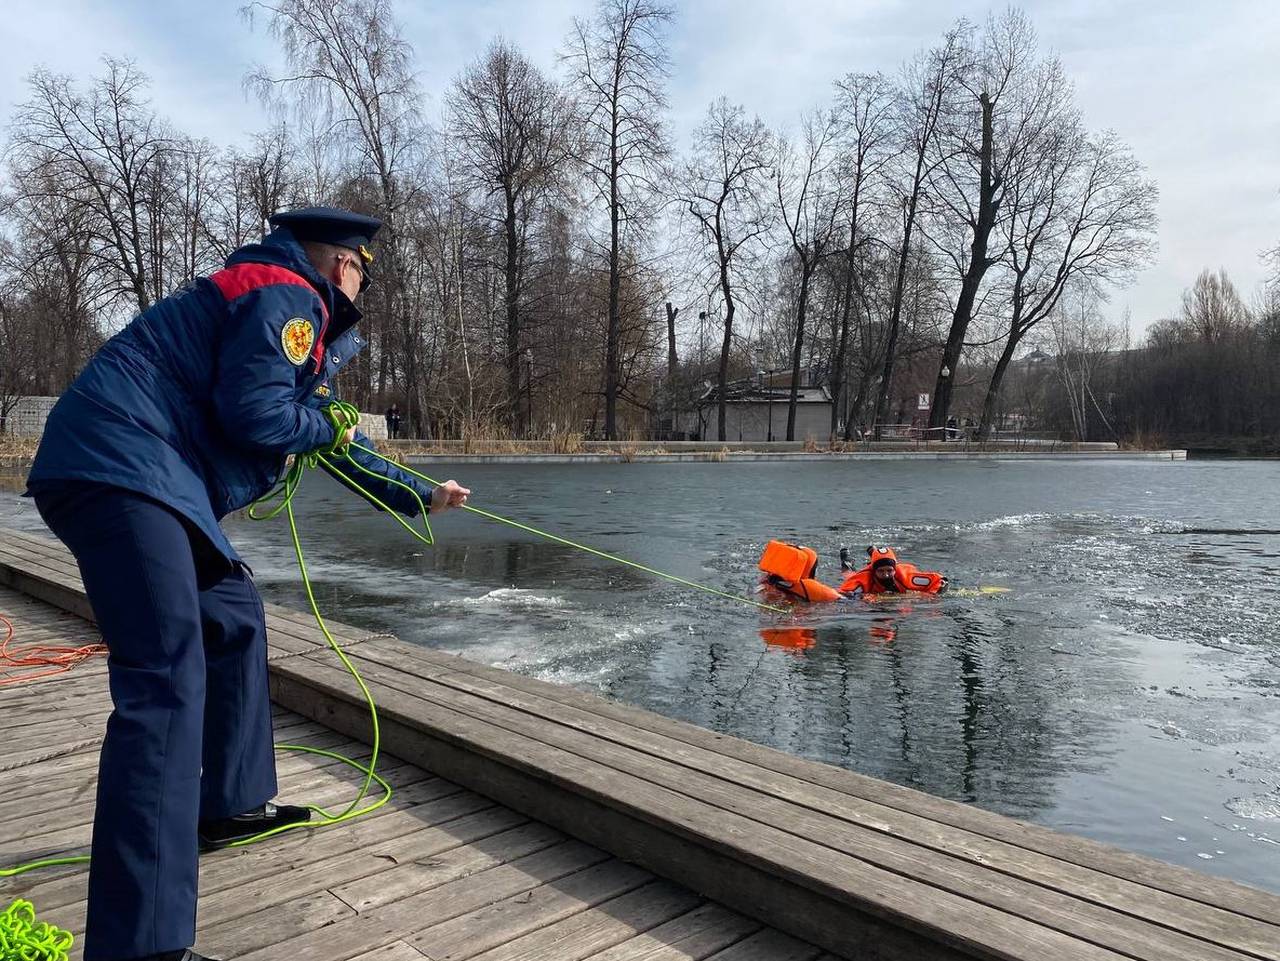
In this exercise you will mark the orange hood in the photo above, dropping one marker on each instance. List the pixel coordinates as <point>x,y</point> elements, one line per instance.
<point>877,554</point>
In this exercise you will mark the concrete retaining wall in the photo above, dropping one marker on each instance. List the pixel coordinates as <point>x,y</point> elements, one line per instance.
<point>28,419</point>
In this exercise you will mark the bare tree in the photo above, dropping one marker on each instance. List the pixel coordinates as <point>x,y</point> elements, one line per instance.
<point>1012,97</point>
<point>101,151</point>
<point>348,62</point>
<point>1082,339</point>
<point>724,192</point>
<point>188,251</point>
<point>863,115</point>
<point>512,128</point>
<point>1213,309</point>
<point>806,202</point>
<point>1079,209</point>
<point>56,273</point>
<point>19,353</point>
<point>928,85</point>
<point>254,185</point>
<point>618,68</point>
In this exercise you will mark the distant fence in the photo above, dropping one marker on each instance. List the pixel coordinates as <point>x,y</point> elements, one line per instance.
<point>28,417</point>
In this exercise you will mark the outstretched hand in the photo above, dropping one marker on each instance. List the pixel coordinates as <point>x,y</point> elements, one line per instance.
<point>449,494</point>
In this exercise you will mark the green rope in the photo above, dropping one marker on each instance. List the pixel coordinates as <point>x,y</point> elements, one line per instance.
<point>527,528</point>
<point>23,938</point>
<point>285,492</point>
<point>342,416</point>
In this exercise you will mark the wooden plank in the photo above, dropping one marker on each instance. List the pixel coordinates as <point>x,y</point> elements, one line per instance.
<point>346,937</point>
<point>33,751</point>
<point>65,596</point>
<point>1095,921</point>
<point>76,908</point>
<point>40,736</point>
<point>428,843</point>
<point>696,935</point>
<point>43,574</point>
<point>396,951</point>
<point>588,933</point>
<point>246,934</point>
<point>466,936</point>
<point>77,772</point>
<point>419,863</point>
<point>1173,879</point>
<point>409,809</point>
<point>694,843</point>
<point>1107,892</point>
<point>768,945</point>
<point>65,839</point>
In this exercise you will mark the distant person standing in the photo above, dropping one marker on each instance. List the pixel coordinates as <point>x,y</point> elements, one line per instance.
<point>393,422</point>
<point>953,428</point>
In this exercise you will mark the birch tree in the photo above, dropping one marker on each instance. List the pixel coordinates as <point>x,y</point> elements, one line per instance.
<point>618,66</point>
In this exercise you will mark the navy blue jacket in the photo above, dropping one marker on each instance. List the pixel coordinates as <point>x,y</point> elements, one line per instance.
<point>198,400</point>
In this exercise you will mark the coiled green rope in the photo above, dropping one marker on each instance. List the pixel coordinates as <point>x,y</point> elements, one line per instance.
<point>23,938</point>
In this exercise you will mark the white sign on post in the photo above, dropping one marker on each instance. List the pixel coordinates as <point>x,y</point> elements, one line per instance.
<point>922,402</point>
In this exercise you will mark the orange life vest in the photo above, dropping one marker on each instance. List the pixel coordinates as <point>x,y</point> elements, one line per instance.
<point>790,569</point>
<point>906,577</point>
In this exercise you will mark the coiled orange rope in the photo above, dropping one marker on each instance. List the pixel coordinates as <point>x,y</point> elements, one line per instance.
<point>53,658</point>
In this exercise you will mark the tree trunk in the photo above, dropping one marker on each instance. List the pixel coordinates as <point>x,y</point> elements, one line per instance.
<point>723,376</point>
<point>722,379</point>
<point>895,313</point>
<point>615,319</point>
<point>993,389</point>
<point>846,307</point>
<point>511,297</point>
<point>806,272</point>
<point>672,361</point>
<point>978,264</point>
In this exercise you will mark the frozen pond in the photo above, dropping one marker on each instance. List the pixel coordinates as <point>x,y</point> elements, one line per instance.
<point>1126,688</point>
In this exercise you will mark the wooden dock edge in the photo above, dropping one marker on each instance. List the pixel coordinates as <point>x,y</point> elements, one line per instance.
<point>653,843</point>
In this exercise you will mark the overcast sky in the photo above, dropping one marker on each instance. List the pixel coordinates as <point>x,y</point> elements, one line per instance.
<point>1192,89</point>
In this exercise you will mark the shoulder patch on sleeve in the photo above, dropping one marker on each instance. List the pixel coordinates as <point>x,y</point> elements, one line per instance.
<point>297,338</point>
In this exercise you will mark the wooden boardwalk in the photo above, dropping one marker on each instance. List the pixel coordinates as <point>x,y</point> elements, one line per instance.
<point>440,872</point>
<point>859,867</point>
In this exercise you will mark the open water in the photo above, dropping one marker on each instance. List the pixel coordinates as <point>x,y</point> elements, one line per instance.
<point>1127,687</point>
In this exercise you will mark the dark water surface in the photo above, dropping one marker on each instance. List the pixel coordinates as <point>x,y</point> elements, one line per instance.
<point>1126,688</point>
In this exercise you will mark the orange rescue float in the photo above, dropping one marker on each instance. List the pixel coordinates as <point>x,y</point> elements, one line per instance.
<point>790,568</point>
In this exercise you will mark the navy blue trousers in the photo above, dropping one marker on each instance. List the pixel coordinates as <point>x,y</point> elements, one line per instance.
<point>190,736</point>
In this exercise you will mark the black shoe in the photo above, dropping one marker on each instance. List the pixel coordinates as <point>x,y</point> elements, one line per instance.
<point>184,955</point>
<point>224,831</point>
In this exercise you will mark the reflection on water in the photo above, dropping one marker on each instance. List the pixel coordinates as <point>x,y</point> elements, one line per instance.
<point>1126,688</point>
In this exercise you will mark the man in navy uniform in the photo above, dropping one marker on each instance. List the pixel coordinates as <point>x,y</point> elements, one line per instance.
<point>183,417</point>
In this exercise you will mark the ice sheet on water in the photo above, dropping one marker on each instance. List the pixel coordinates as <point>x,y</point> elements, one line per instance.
<point>1258,807</point>
<point>505,597</point>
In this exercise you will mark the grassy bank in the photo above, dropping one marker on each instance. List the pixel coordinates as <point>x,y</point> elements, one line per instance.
<point>1209,445</point>
<point>16,451</point>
